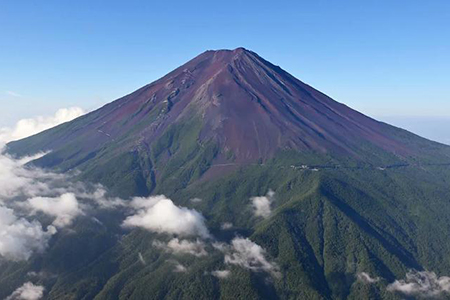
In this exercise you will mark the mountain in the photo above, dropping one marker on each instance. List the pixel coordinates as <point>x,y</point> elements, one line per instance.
<point>227,108</point>
<point>352,195</point>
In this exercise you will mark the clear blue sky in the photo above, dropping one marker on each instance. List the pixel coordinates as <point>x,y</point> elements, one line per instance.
<point>382,57</point>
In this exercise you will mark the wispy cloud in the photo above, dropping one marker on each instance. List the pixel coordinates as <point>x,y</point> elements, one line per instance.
<point>366,278</point>
<point>226,226</point>
<point>141,259</point>
<point>247,254</point>
<point>176,246</point>
<point>179,268</point>
<point>196,200</point>
<point>13,94</point>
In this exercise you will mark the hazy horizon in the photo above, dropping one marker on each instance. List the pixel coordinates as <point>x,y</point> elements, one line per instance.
<point>432,128</point>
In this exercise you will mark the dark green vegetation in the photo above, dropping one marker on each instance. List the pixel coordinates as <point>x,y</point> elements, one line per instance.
<point>376,201</point>
<point>327,226</point>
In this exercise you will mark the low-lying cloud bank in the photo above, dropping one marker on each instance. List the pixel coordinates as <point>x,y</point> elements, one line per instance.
<point>22,192</point>
<point>19,238</point>
<point>421,284</point>
<point>17,180</point>
<point>25,192</point>
<point>28,127</point>
<point>28,291</point>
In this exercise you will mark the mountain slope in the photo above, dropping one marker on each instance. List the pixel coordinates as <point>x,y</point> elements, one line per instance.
<point>352,195</point>
<point>326,228</point>
<point>237,105</point>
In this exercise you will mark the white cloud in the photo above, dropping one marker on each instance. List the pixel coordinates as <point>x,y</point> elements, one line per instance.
<point>226,226</point>
<point>65,208</point>
<point>421,284</point>
<point>159,214</point>
<point>261,205</point>
<point>177,246</point>
<point>366,278</point>
<point>19,238</point>
<point>146,202</point>
<point>221,246</point>
<point>247,254</point>
<point>28,127</point>
<point>179,268</point>
<point>221,274</point>
<point>196,200</point>
<point>28,291</point>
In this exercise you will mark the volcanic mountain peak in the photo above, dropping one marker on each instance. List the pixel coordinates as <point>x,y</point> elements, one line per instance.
<point>248,108</point>
<point>238,50</point>
<point>255,108</point>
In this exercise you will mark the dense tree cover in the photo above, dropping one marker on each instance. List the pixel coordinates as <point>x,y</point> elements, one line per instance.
<point>326,227</point>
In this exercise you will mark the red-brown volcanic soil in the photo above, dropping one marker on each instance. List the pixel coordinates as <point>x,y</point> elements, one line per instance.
<point>248,105</point>
<point>251,107</point>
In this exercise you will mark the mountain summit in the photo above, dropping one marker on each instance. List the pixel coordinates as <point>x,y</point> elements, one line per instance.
<point>291,195</point>
<point>248,108</point>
